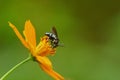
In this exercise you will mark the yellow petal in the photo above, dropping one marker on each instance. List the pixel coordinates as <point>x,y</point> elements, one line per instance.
<point>18,35</point>
<point>44,60</point>
<point>46,65</point>
<point>29,33</point>
<point>51,72</point>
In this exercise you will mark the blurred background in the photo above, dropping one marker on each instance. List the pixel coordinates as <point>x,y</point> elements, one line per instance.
<point>89,29</point>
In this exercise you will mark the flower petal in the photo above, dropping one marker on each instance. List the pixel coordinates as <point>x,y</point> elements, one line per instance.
<point>18,35</point>
<point>51,72</point>
<point>44,60</point>
<point>46,65</point>
<point>29,33</point>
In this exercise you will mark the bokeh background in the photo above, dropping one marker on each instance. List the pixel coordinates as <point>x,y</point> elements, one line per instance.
<point>89,29</point>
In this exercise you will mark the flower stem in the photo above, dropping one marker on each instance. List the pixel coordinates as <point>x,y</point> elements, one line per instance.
<point>16,66</point>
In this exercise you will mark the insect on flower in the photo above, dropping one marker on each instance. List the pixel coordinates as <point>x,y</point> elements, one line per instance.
<point>42,50</point>
<point>53,36</point>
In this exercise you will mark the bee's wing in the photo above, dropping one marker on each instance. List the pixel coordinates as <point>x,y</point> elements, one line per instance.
<point>54,31</point>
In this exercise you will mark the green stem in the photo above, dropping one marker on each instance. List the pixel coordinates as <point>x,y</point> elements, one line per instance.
<point>16,66</point>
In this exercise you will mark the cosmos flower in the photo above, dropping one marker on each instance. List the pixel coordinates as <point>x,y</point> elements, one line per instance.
<point>39,52</point>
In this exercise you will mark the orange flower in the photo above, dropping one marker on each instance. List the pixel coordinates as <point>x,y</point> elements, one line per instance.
<point>40,51</point>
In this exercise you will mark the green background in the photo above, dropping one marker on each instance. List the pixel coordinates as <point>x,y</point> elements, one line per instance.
<point>89,29</point>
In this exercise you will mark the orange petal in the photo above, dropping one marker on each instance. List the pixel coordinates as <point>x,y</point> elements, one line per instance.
<point>44,60</point>
<point>18,35</point>
<point>51,72</point>
<point>29,33</point>
<point>46,65</point>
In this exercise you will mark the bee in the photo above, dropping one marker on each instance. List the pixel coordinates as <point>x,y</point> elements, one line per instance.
<point>53,37</point>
